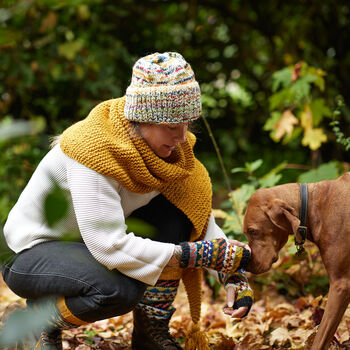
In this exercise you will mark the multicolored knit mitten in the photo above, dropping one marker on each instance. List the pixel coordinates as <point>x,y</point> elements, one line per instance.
<point>217,254</point>
<point>244,294</point>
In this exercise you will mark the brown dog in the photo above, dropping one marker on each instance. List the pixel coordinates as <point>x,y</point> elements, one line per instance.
<point>273,213</point>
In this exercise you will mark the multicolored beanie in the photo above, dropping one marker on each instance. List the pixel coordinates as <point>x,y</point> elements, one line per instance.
<point>163,90</point>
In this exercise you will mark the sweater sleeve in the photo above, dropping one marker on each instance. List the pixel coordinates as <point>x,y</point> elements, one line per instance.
<point>213,230</point>
<point>101,221</point>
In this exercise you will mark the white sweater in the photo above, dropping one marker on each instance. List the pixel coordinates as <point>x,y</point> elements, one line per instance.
<point>98,206</point>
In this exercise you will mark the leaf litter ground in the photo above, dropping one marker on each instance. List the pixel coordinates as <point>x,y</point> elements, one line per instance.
<point>274,322</point>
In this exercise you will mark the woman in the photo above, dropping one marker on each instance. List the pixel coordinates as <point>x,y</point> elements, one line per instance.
<point>131,157</point>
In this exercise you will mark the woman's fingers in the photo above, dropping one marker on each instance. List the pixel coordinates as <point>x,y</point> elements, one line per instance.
<point>230,296</point>
<point>238,313</point>
<point>239,244</point>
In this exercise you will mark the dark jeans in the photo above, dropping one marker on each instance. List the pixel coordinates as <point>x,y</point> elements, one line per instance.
<point>92,292</point>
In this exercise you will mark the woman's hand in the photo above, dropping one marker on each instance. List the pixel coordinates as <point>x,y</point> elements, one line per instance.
<point>228,309</point>
<point>239,244</point>
<point>176,257</point>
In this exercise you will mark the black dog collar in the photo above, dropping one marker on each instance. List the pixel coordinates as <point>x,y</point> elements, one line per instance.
<point>300,237</point>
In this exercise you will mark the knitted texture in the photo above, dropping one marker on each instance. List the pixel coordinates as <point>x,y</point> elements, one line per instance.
<point>105,142</point>
<point>163,89</point>
<point>244,294</point>
<point>216,254</point>
<point>157,300</point>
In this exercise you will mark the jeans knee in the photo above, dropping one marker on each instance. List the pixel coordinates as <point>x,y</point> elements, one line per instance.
<point>120,300</point>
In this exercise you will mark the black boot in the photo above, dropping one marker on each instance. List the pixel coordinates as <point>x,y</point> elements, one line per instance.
<point>50,340</point>
<point>150,333</point>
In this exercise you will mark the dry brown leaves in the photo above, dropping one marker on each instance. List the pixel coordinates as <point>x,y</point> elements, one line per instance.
<point>273,323</point>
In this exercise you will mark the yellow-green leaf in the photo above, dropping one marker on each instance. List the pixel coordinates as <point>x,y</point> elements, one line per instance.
<point>70,49</point>
<point>313,138</point>
<point>306,118</point>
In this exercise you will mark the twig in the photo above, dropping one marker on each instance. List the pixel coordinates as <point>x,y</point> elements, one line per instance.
<point>217,150</point>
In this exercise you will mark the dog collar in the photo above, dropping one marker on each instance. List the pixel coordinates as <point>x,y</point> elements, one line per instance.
<point>300,236</point>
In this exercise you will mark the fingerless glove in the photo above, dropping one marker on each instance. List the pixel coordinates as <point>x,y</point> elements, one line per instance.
<point>244,294</point>
<point>217,254</point>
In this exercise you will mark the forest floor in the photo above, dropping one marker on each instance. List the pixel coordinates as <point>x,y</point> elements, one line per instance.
<point>275,321</point>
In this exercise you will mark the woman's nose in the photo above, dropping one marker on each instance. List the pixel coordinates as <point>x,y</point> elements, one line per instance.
<point>181,135</point>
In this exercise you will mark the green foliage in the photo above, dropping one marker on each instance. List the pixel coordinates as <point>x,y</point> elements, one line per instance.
<point>326,171</point>
<point>345,141</point>
<point>140,227</point>
<point>20,152</point>
<point>55,206</point>
<point>238,198</point>
<point>213,284</point>
<point>60,58</point>
<point>296,108</point>
<point>21,325</point>
<point>340,138</point>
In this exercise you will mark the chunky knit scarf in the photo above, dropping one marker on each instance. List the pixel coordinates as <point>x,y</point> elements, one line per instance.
<point>107,143</point>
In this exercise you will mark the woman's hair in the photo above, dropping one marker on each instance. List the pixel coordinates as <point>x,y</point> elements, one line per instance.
<point>54,140</point>
<point>135,131</point>
<point>192,126</point>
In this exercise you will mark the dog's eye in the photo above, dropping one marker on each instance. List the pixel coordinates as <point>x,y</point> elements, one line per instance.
<point>252,231</point>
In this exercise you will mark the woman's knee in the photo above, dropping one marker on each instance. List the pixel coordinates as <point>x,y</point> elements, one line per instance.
<point>121,298</point>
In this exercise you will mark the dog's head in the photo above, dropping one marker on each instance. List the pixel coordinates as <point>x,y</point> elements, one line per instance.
<point>267,223</point>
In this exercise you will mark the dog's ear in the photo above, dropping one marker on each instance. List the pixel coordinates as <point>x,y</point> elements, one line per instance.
<point>282,215</point>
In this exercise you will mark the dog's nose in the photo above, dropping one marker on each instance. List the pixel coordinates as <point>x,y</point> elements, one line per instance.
<point>274,259</point>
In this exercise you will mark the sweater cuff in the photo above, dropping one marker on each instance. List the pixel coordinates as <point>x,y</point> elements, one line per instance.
<point>245,259</point>
<point>185,256</point>
<point>245,301</point>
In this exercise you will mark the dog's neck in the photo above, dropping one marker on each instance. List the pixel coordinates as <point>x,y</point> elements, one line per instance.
<point>291,195</point>
<point>313,204</point>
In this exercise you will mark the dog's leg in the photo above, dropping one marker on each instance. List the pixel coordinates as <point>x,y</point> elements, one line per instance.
<point>338,299</point>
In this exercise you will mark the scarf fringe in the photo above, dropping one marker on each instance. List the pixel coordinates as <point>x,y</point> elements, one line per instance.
<point>196,339</point>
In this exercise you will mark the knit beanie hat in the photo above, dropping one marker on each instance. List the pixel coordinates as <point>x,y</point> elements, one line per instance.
<point>163,90</point>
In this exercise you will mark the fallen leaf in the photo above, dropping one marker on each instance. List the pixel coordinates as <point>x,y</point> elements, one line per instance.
<point>280,336</point>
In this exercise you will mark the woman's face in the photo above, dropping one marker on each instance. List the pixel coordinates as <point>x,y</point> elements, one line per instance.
<point>163,138</point>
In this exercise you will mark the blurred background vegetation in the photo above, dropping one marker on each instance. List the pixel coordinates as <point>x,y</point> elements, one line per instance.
<point>274,76</point>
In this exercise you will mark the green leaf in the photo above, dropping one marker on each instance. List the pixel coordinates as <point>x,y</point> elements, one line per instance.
<point>208,101</point>
<point>301,87</point>
<point>10,36</point>
<point>70,49</point>
<point>239,94</point>
<point>282,98</point>
<point>270,180</point>
<point>238,170</point>
<point>251,167</point>
<point>295,134</point>
<point>55,206</point>
<point>271,122</point>
<point>319,73</point>
<point>240,197</point>
<point>282,77</point>
<point>140,227</point>
<point>319,110</point>
<point>325,171</point>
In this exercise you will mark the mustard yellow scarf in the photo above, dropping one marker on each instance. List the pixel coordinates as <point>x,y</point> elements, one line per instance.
<point>106,142</point>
